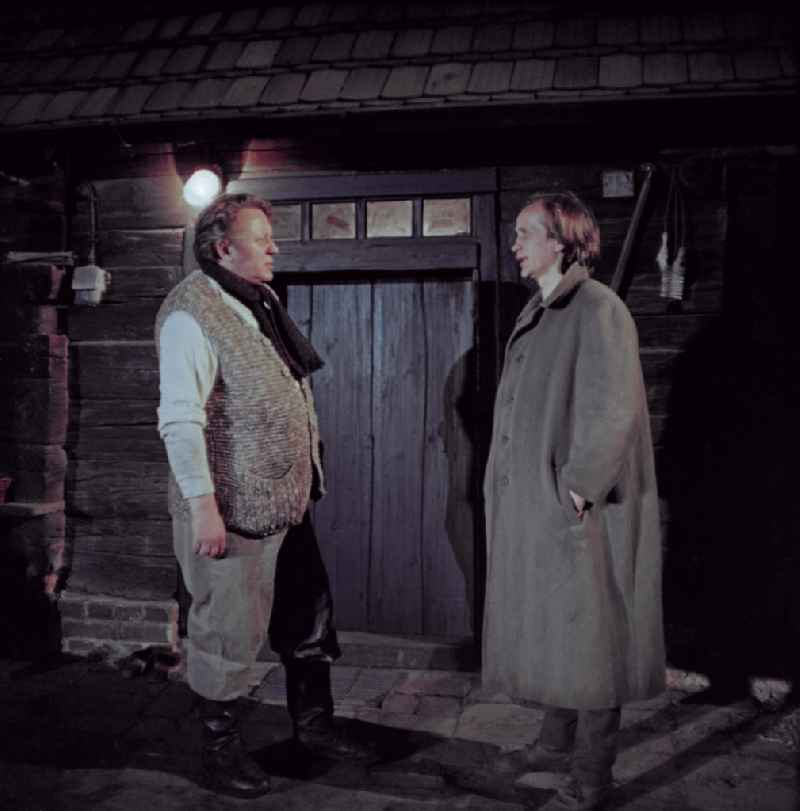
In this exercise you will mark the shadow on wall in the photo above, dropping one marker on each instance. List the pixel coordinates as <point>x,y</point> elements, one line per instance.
<point>731,444</point>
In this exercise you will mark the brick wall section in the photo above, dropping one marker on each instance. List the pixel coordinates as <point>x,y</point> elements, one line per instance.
<point>115,627</point>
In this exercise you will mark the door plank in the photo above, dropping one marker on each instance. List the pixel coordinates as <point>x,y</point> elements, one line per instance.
<point>398,419</point>
<point>342,334</point>
<point>448,502</point>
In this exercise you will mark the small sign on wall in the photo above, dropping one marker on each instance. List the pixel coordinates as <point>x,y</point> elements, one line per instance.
<point>617,183</point>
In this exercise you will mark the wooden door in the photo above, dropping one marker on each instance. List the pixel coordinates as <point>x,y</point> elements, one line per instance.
<point>394,402</point>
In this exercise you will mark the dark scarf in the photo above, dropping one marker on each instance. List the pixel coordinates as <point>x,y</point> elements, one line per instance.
<point>293,347</point>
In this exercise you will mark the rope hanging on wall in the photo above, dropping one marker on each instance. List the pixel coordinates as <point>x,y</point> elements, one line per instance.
<point>671,257</point>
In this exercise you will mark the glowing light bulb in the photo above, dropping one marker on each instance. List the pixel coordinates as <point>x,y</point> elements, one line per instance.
<point>202,187</point>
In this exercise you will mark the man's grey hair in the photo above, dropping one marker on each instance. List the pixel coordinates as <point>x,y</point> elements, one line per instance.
<point>215,220</point>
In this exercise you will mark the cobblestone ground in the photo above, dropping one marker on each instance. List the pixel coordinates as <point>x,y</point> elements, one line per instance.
<point>78,735</point>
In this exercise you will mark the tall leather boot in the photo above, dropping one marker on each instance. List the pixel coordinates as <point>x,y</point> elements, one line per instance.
<point>308,692</point>
<point>227,768</point>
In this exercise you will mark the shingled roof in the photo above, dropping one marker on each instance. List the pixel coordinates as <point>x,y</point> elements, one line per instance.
<point>290,60</point>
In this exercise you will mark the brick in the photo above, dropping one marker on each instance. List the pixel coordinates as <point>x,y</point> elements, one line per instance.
<point>620,70</point>
<point>405,82</point>
<point>447,79</point>
<point>202,26</point>
<point>703,28</point>
<point>132,99</point>
<point>151,62</point>
<point>711,66</point>
<point>438,707</point>
<point>312,14</point>
<point>617,31</point>
<point>323,85</point>
<point>32,283</point>
<point>258,54</point>
<point>283,89</point>
<point>245,91</point>
<point>490,77</point>
<point>84,68</point>
<point>576,32</point>
<point>412,42</point>
<point>296,51</point>
<point>533,74</point>
<point>493,38</point>
<point>72,610</point>
<point>128,613</point>
<point>185,60</point>
<point>400,703</point>
<point>276,18</point>
<point>454,39</point>
<point>334,47</point>
<point>28,108</point>
<point>665,69</point>
<point>161,613</point>
<point>533,36</point>
<point>575,73</point>
<point>172,27</point>
<point>117,66</point>
<point>437,683</point>
<point>364,83</point>
<point>757,64</point>
<point>140,31</point>
<point>206,93</point>
<point>660,28</point>
<point>243,21</point>
<point>167,96</point>
<point>373,45</point>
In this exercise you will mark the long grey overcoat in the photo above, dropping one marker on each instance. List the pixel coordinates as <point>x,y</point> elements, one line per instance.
<point>573,607</point>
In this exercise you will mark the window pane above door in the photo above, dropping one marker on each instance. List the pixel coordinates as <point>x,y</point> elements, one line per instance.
<point>287,222</point>
<point>446,217</point>
<point>390,218</point>
<point>333,220</point>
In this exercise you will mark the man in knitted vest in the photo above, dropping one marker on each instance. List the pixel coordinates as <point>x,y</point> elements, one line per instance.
<point>237,418</point>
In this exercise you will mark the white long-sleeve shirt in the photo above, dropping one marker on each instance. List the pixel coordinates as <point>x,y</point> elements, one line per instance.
<point>187,371</point>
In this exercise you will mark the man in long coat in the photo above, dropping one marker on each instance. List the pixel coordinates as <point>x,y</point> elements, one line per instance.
<point>573,614</point>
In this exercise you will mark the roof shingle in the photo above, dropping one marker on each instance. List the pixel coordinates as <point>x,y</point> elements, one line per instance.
<point>244,91</point>
<point>240,22</point>
<point>202,26</point>
<point>412,42</point>
<point>172,27</point>
<point>533,74</point>
<point>665,68</point>
<point>620,71</point>
<point>576,32</point>
<point>283,89</point>
<point>364,83</point>
<point>6,104</point>
<point>490,77</point>
<point>373,44</point>
<point>312,14</point>
<point>258,54</point>
<point>296,51</point>
<point>27,110</point>
<point>45,38</point>
<point>132,99</point>
<point>224,55</point>
<point>761,63</point>
<point>97,102</point>
<point>185,60</point>
<point>703,28</point>
<point>151,62</point>
<point>575,73</point>
<point>206,93</point>
<point>167,97</point>
<point>49,70</point>
<point>140,31</point>
<point>334,47</point>
<point>405,82</point>
<point>117,66</point>
<point>711,66</point>
<point>323,85</point>
<point>534,36</point>
<point>448,79</point>
<point>747,25</point>
<point>617,31</point>
<point>454,39</point>
<point>61,105</point>
<point>276,17</point>
<point>84,68</point>
<point>494,37</point>
<point>660,28</point>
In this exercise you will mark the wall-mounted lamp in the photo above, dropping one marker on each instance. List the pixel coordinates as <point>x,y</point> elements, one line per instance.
<point>202,186</point>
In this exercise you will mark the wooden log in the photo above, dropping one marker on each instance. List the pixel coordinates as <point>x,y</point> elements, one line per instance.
<point>134,321</point>
<point>117,488</point>
<point>147,537</point>
<point>33,283</point>
<point>671,331</point>
<point>342,332</point>
<point>114,370</point>
<point>122,413</point>
<point>428,255</point>
<point>448,497</point>
<point>398,425</point>
<point>123,575</point>
<point>35,356</point>
<point>139,248</point>
<point>107,442</point>
<point>130,284</point>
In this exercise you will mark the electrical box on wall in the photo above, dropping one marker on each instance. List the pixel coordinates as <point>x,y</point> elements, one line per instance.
<point>617,183</point>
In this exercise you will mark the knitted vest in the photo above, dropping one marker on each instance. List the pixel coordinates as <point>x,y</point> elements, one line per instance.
<point>262,434</point>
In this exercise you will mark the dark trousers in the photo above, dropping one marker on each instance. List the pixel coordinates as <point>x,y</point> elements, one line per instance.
<point>592,737</point>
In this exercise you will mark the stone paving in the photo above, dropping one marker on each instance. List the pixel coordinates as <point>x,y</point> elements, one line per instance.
<point>77,734</point>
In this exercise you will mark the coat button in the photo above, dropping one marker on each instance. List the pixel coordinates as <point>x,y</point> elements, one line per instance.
<point>509,399</point>
<point>505,439</point>
<point>504,481</point>
<point>519,358</point>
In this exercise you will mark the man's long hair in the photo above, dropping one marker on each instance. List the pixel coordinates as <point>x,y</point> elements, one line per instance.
<point>215,220</point>
<point>572,223</point>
